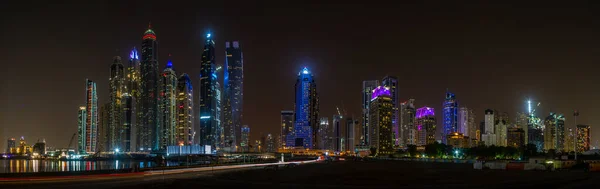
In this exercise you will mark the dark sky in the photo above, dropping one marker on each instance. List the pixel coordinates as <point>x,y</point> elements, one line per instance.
<point>491,55</point>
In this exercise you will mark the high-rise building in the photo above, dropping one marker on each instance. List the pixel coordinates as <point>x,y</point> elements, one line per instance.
<point>307,110</point>
<point>408,132</point>
<point>583,138</point>
<point>39,148</point>
<point>463,121</point>
<point>367,90</point>
<point>81,130</point>
<point>337,133</point>
<point>391,82</point>
<point>515,137</point>
<point>102,143</point>
<point>323,134</point>
<point>168,109</point>
<point>287,129</point>
<point>472,134</point>
<point>554,132</point>
<point>128,120</point>
<point>133,89</point>
<point>500,127</point>
<point>380,121</point>
<point>210,120</point>
<point>569,141</point>
<point>560,132</point>
<point>148,132</point>
<point>116,84</point>
<point>270,143</point>
<point>521,122</point>
<point>12,143</point>
<point>233,98</point>
<point>425,124</point>
<point>450,115</point>
<point>349,141</point>
<point>91,109</point>
<point>244,144</point>
<point>185,111</point>
<point>489,136</point>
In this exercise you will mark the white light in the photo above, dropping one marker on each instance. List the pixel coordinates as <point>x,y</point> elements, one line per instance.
<point>204,117</point>
<point>207,35</point>
<point>117,150</point>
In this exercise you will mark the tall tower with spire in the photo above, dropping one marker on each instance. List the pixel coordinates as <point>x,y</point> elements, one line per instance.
<point>149,116</point>
<point>307,111</point>
<point>210,120</point>
<point>116,85</point>
<point>168,97</point>
<point>131,102</point>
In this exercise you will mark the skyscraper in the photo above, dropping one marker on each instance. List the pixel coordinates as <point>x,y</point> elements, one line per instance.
<point>350,134</point>
<point>270,143</point>
<point>149,127</point>
<point>463,121</point>
<point>391,82</point>
<point>128,120</point>
<point>209,97</point>
<point>116,84</point>
<point>515,137</point>
<point>425,126</point>
<point>500,127</point>
<point>91,110</point>
<point>367,90</point>
<point>472,134</point>
<point>554,132</point>
<point>489,138</point>
<point>102,142</point>
<point>287,129</point>
<point>233,98</point>
<point>560,132</point>
<point>450,115</point>
<point>380,119</point>
<point>307,110</point>
<point>521,122</point>
<point>407,123</point>
<point>244,144</point>
<point>11,144</point>
<point>133,89</point>
<point>337,133</point>
<point>185,111</point>
<point>583,138</point>
<point>323,134</point>
<point>81,130</point>
<point>168,111</point>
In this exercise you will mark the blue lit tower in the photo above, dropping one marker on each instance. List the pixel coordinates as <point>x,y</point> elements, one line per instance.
<point>185,111</point>
<point>367,90</point>
<point>210,131</point>
<point>307,111</point>
<point>168,95</point>
<point>450,115</point>
<point>233,82</point>
<point>148,132</point>
<point>391,82</point>
<point>116,84</point>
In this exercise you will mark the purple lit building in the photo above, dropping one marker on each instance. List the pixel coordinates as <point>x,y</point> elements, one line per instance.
<point>391,82</point>
<point>425,126</point>
<point>380,121</point>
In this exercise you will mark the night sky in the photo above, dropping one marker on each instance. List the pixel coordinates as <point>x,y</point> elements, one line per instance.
<point>490,55</point>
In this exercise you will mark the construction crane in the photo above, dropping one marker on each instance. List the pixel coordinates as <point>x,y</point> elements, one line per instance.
<point>71,142</point>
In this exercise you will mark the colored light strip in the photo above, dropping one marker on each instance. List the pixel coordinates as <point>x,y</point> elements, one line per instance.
<point>379,91</point>
<point>149,36</point>
<point>425,111</point>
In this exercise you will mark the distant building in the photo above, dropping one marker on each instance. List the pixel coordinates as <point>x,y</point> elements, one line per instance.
<point>425,126</point>
<point>244,144</point>
<point>554,132</point>
<point>407,123</point>
<point>127,122</point>
<point>91,125</point>
<point>270,143</point>
<point>167,106</point>
<point>380,121</point>
<point>11,144</point>
<point>148,133</point>
<point>337,133</point>
<point>307,111</point>
<point>521,122</point>
<point>210,97</point>
<point>489,136</point>
<point>324,134</point>
<point>391,82</point>
<point>367,90</point>
<point>184,104</point>
<point>458,140</point>
<point>39,148</point>
<point>81,131</point>
<point>233,83</point>
<point>583,138</point>
<point>287,129</point>
<point>257,146</point>
<point>500,132</point>
<point>450,114</point>
<point>569,141</point>
<point>349,139</point>
<point>116,86</point>
<point>515,137</point>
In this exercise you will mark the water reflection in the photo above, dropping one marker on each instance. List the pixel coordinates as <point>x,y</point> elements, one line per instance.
<point>26,166</point>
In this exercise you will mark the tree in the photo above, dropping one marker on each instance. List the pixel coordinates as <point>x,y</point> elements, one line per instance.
<point>412,150</point>
<point>373,151</point>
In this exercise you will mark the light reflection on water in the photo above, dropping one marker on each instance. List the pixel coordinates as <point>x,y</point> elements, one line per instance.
<point>27,166</point>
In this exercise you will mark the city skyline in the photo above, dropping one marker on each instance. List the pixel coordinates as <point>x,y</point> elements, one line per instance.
<point>55,106</point>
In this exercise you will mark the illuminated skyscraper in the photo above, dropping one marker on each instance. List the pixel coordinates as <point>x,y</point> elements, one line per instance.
<point>450,115</point>
<point>102,142</point>
<point>515,137</point>
<point>500,127</point>
<point>521,122</point>
<point>287,129</point>
<point>349,141</point>
<point>307,111</point>
<point>81,130</point>
<point>391,82</point>
<point>380,121</point>
<point>463,121</point>
<point>408,132</point>
<point>116,83</point>
<point>244,144</point>
<point>133,90</point>
<point>583,138</point>
<point>488,136</point>
<point>324,134</point>
<point>337,132</point>
<point>167,107</point>
<point>149,115</point>
<point>367,90</point>
<point>270,143</point>
<point>185,111</point>
<point>554,132</point>
<point>128,120</point>
<point>233,98</point>
<point>91,109</point>
<point>425,126</point>
<point>210,117</point>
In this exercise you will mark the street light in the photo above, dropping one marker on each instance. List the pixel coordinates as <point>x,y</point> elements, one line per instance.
<point>116,150</point>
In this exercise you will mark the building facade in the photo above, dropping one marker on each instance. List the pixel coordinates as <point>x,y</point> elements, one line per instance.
<point>127,122</point>
<point>91,109</point>
<point>391,82</point>
<point>367,90</point>
<point>168,111</point>
<point>210,117</point>
<point>500,132</point>
<point>116,85</point>
<point>270,144</point>
<point>245,143</point>
<point>287,129</point>
<point>425,124</point>
<point>184,128</point>
<point>583,138</point>
<point>233,98</point>
<point>148,132</point>
<point>349,139</point>
<point>324,134</point>
<point>515,137</point>
<point>307,111</point>
<point>81,131</point>
<point>450,115</point>
<point>408,131</point>
<point>337,133</point>
<point>380,121</point>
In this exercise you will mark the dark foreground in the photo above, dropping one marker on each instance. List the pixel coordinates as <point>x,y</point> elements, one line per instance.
<point>350,174</point>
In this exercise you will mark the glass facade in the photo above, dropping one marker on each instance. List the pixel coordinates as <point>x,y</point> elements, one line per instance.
<point>116,84</point>
<point>91,126</point>
<point>185,111</point>
<point>380,121</point>
<point>149,115</point>
<point>367,90</point>
<point>307,111</point>
<point>450,115</point>
<point>210,131</point>
<point>233,94</point>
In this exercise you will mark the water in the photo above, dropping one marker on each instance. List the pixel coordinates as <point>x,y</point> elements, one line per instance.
<point>33,166</point>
